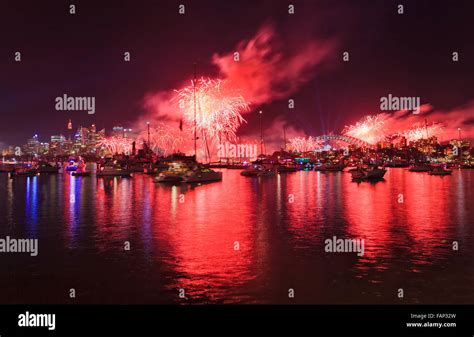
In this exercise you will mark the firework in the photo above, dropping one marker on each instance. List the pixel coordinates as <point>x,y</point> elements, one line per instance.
<point>370,129</point>
<point>218,108</point>
<point>165,139</point>
<point>419,131</point>
<point>116,144</point>
<point>303,144</point>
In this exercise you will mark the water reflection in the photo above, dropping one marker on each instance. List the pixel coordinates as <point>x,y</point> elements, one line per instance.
<point>247,240</point>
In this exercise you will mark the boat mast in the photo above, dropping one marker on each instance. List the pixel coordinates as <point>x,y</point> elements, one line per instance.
<point>284,135</point>
<point>261,133</point>
<point>194,98</point>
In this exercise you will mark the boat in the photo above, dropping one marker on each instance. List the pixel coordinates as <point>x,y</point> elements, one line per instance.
<point>370,173</point>
<point>397,163</point>
<point>71,166</point>
<point>154,169</point>
<point>175,172</point>
<point>81,174</point>
<point>23,172</point>
<point>112,170</point>
<point>81,170</point>
<point>238,166</point>
<point>286,168</point>
<point>137,167</point>
<point>267,173</point>
<point>439,171</point>
<point>257,170</point>
<point>201,174</point>
<point>420,168</point>
<point>7,168</point>
<point>330,167</point>
<point>45,167</point>
<point>252,171</point>
<point>168,177</point>
<point>218,165</point>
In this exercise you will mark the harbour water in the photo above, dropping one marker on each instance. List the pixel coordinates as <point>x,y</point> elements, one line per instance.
<point>242,240</point>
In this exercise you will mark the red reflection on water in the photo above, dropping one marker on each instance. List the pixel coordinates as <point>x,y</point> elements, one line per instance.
<point>369,209</point>
<point>404,217</point>
<point>201,231</point>
<point>426,207</point>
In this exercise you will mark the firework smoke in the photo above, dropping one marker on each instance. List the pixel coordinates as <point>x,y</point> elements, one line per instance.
<point>261,74</point>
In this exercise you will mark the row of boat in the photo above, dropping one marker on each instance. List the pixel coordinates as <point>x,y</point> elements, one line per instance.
<point>181,168</point>
<point>358,173</point>
<point>430,169</point>
<point>361,172</point>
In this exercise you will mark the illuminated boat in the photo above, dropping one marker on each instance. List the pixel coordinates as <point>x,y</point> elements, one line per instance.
<point>113,171</point>
<point>202,174</point>
<point>45,167</point>
<point>72,166</point>
<point>440,171</point>
<point>175,172</point>
<point>81,170</point>
<point>370,173</point>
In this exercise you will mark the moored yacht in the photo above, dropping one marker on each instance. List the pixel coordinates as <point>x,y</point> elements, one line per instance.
<point>71,166</point>
<point>420,168</point>
<point>252,171</point>
<point>440,171</point>
<point>81,170</point>
<point>45,167</point>
<point>370,173</point>
<point>112,170</point>
<point>201,174</point>
<point>175,172</point>
<point>329,167</point>
<point>23,172</point>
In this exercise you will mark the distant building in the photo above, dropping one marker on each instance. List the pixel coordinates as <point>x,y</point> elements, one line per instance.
<point>118,131</point>
<point>56,145</point>
<point>32,146</point>
<point>402,143</point>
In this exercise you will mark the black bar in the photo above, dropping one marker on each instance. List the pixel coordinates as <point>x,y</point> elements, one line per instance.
<point>238,320</point>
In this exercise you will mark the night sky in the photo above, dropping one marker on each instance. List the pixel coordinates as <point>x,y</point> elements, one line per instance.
<point>82,55</point>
